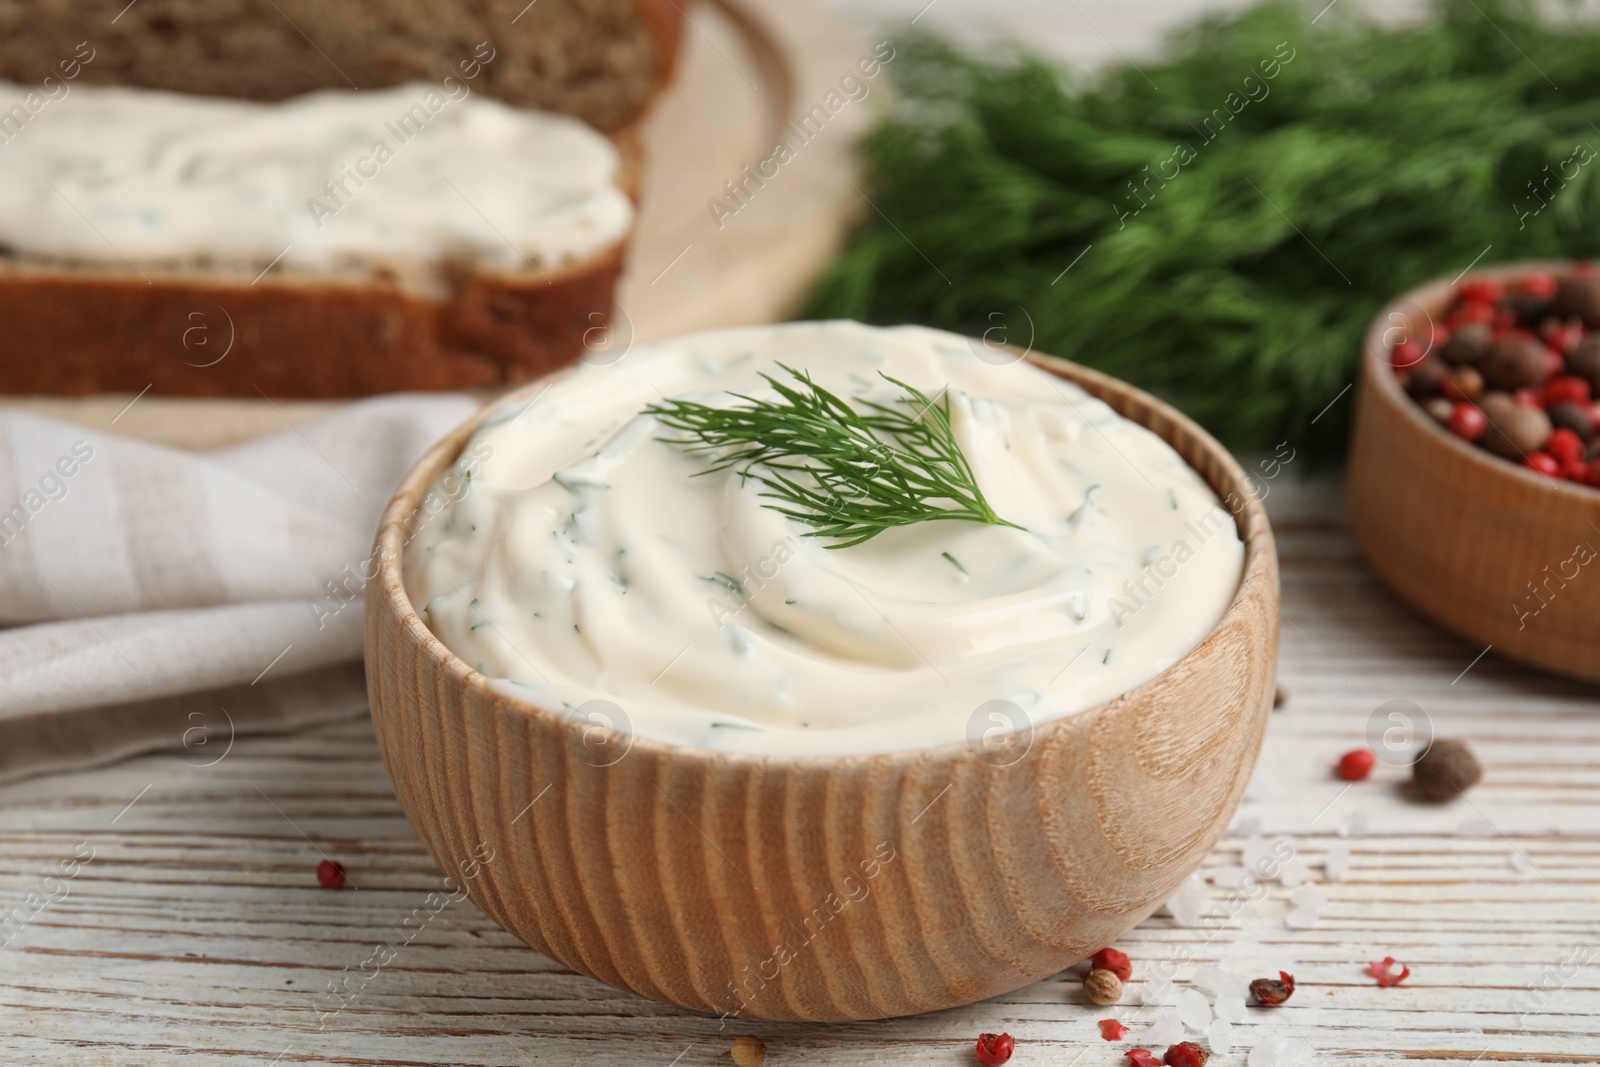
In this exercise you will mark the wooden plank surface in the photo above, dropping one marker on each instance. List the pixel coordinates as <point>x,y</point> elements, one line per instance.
<point>197,932</point>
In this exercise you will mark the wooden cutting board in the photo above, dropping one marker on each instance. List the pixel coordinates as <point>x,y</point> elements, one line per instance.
<point>750,67</point>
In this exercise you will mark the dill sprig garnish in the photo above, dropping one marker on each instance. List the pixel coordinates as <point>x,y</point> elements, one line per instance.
<point>850,472</point>
<point>1214,215</point>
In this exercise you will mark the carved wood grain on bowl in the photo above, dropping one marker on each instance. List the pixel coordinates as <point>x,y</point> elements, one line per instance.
<point>828,887</point>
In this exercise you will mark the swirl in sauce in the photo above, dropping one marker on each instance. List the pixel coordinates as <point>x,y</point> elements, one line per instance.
<point>588,561</point>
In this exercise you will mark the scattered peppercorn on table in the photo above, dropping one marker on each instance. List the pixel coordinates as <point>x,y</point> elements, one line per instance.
<point>200,920</point>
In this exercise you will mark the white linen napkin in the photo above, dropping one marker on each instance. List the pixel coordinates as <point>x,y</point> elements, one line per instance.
<point>159,598</point>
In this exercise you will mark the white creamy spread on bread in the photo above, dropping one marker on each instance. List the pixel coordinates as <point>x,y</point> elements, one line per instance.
<point>588,564</point>
<point>326,180</point>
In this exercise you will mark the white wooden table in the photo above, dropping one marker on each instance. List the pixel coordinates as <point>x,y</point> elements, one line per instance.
<point>197,933</point>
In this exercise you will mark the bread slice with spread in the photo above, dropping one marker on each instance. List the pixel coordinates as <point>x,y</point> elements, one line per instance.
<point>313,200</point>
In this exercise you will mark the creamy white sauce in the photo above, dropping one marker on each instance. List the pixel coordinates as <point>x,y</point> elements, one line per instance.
<point>588,567</point>
<point>415,173</point>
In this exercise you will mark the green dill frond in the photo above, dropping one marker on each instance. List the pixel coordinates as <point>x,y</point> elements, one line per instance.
<point>1238,284</point>
<point>848,471</point>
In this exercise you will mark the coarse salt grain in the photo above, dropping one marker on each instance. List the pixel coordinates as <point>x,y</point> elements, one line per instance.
<point>1228,877</point>
<point>1293,873</point>
<point>1254,852</point>
<point>1193,1009</point>
<point>1207,976</point>
<point>1277,1049</point>
<point>1155,990</point>
<point>1231,1007</point>
<point>1188,904</point>
<point>1167,1029</point>
<point>1308,901</point>
<point>1220,1034</point>
<point>1337,865</point>
<point>1216,979</point>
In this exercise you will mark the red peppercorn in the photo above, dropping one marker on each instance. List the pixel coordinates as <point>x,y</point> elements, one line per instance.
<point>1540,284</point>
<point>1142,1057</point>
<point>1529,397</point>
<point>1482,290</point>
<point>1544,463</point>
<point>1270,992</point>
<point>1592,476</point>
<point>1566,388</point>
<point>1407,354</point>
<point>330,874</point>
<point>1112,1030</point>
<point>1565,445</point>
<point>1566,336</point>
<point>1109,959</point>
<point>1467,421</point>
<point>1575,472</point>
<point>1355,765</point>
<point>1186,1054</point>
<point>1555,363</point>
<point>1470,311</point>
<point>995,1049</point>
<point>1386,974</point>
<point>1507,319</point>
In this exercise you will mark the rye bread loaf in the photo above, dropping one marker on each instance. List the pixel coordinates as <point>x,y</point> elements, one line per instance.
<point>602,61</point>
<point>242,330</point>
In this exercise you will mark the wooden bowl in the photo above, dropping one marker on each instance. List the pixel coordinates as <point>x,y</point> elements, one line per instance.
<point>1485,548</point>
<point>826,888</point>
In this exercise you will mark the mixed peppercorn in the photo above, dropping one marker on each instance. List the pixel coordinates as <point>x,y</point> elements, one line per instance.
<point>1271,992</point>
<point>330,874</point>
<point>995,1049</point>
<point>1515,369</point>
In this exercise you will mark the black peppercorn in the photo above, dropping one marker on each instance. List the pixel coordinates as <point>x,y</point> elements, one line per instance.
<point>1515,432</point>
<point>1584,361</point>
<point>1514,363</point>
<point>1468,344</point>
<point>1445,770</point>
<point>1426,378</point>
<point>1574,417</point>
<point>1580,297</point>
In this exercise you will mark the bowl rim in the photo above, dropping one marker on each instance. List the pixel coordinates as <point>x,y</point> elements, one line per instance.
<point>1377,371</point>
<point>1258,570</point>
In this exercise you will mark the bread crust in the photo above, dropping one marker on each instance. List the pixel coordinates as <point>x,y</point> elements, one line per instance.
<point>667,19</point>
<point>602,61</point>
<point>291,336</point>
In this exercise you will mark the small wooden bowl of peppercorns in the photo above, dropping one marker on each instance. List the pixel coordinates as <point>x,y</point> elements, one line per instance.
<point>1474,476</point>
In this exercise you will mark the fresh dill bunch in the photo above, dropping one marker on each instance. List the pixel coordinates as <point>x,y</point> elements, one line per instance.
<point>849,473</point>
<point>1237,283</point>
